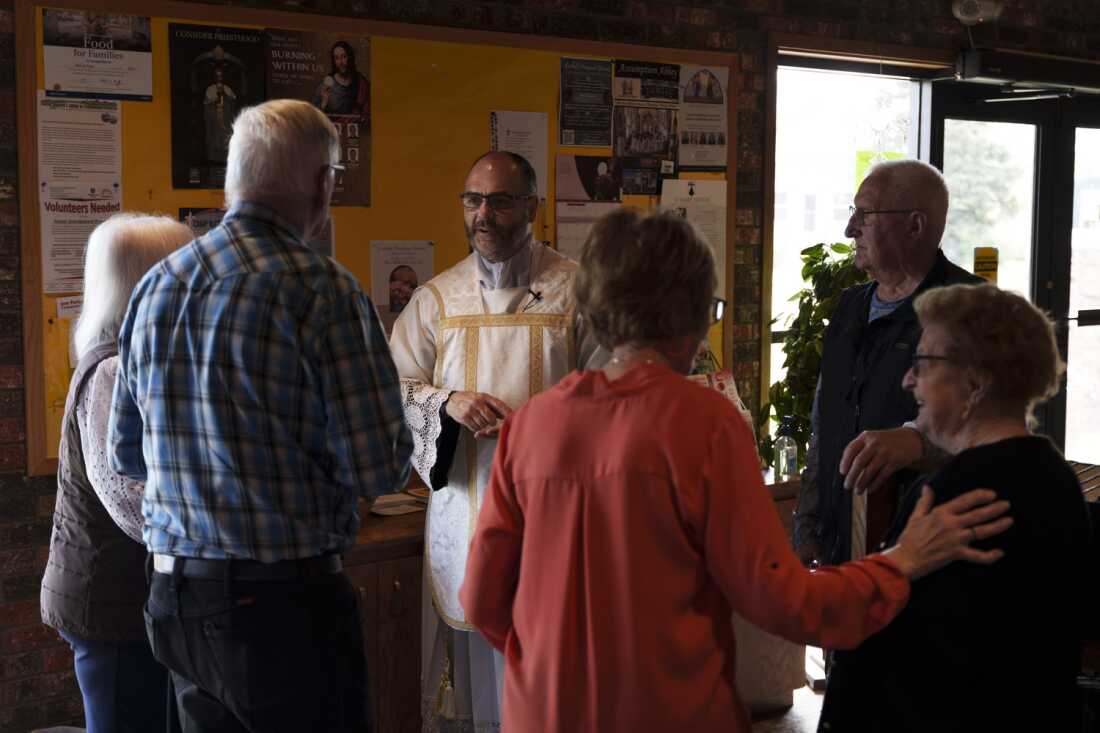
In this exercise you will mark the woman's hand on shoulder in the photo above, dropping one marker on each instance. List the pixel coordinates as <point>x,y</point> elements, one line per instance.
<point>935,537</point>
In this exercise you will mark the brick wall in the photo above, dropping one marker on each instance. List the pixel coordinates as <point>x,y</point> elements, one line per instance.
<point>36,681</point>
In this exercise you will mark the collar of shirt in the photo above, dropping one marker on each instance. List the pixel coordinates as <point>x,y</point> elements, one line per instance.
<point>264,213</point>
<point>514,272</point>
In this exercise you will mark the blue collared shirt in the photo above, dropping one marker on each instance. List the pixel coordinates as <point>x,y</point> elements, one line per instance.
<point>256,397</point>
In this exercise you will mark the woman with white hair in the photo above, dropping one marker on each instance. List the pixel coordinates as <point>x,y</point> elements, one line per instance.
<point>94,587</point>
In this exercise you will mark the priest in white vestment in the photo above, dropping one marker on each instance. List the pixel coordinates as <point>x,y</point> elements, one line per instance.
<point>474,344</point>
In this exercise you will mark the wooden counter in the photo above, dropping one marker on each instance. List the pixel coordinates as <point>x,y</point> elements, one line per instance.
<point>385,568</point>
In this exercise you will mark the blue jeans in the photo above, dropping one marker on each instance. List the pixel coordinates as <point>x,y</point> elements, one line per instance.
<point>125,690</point>
<point>261,656</point>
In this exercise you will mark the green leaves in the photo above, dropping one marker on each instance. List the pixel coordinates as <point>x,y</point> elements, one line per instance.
<point>827,271</point>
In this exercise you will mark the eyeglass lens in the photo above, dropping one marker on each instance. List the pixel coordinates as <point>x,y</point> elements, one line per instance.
<point>498,201</point>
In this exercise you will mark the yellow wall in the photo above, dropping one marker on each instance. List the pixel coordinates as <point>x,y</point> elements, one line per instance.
<point>430,105</point>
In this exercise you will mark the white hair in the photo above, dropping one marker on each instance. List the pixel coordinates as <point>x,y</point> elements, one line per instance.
<point>120,251</point>
<point>275,150</point>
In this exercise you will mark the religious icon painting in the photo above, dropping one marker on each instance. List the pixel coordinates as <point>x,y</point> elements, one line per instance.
<point>215,72</point>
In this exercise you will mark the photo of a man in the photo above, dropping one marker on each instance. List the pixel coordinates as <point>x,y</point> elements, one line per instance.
<point>403,282</point>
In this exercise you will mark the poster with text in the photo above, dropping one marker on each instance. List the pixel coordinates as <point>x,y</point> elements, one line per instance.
<point>574,221</point>
<point>333,72</point>
<point>525,134</point>
<point>96,55</point>
<point>703,117</point>
<point>397,268</point>
<point>588,178</point>
<point>80,182</point>
<point>645,81</point>
<point>585,102</point>
<point>215,72</point>
<point>703,203</point>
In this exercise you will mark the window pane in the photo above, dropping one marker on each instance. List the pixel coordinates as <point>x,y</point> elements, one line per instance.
<point>830,128</point>
<point>1083,377</point>
<point>990,171</point>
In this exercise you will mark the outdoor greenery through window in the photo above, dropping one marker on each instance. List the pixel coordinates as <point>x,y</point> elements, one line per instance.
<point>831,127</point>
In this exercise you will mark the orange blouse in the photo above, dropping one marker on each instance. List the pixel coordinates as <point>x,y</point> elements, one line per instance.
<point>622,522</point>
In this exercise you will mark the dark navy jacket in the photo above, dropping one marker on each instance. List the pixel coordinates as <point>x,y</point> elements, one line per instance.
<point>862,367</point>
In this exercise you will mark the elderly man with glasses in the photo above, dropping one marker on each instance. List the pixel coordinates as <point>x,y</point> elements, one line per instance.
<point>474,344</point>
<point>863,449</point>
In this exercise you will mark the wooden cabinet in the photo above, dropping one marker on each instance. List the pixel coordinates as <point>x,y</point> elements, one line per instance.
<point>385,568</point>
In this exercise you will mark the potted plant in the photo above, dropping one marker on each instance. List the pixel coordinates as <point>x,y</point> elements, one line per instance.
<point>828,271</point>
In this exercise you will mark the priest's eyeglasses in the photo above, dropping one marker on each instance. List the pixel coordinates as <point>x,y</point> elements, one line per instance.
<point>717,310</point>
<point>500,201</point>
<point>859,216</point>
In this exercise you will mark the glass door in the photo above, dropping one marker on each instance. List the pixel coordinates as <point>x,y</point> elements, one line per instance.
<point>1083,357</point>
<point>1024,174</point>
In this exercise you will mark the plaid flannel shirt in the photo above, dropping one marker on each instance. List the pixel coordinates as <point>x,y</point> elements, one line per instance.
<point>256,397</point>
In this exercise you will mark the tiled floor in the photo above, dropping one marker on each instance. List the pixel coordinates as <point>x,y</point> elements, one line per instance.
<point>801,718</point>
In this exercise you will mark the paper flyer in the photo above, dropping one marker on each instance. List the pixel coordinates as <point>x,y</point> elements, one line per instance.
<point>398,267</point>
<point>201,220</point>
<point>703,203</point>
<point>645,81</point>
<point>588,178</point>
<point>522,133</point>
<point>575,220</point>
<point>333,72</point>
<point>80,182</point>
<point>585,107</point>
<point>96,55</point>
<point>703,117</point>
<point>643,176</point>
<point>214,73</point>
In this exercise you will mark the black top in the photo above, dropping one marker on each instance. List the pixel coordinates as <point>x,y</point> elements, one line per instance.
<point>862,366</point>
<point>982,648</point>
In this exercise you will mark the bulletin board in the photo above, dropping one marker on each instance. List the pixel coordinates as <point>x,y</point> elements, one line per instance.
<point>431,93</point>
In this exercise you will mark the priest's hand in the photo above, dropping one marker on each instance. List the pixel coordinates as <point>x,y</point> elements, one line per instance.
<point>480,413</point>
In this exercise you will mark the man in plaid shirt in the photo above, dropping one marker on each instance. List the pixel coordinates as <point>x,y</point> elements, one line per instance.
<point>257,399</point>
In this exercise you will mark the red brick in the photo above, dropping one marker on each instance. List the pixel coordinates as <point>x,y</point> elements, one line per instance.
<point>39,687</point>
<point>56,658</point>
<point>22,665</point>
<point>21,718</point>
<point>19,613</point>
<point>17,561</point>
<point>12,456</point>
<point>11,430</point>
<point>11,376</point>
<point>46,505</point>
<point>25,638</point>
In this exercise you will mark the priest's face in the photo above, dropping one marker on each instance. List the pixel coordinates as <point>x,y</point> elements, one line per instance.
<point>498,232</point>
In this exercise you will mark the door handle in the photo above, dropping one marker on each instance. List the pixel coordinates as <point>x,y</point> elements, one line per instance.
<point>1089,317</point>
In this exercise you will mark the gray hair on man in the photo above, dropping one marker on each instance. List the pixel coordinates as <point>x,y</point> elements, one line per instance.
<point>120,251</point>
<point>273,153</point>
<point>916,184</point>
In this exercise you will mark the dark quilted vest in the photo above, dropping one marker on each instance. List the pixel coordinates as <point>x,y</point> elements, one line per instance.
<point>94,586</point>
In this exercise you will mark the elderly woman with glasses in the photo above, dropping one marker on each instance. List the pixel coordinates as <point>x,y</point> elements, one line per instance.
<point>981,648</point>
<point>626,517</point>
<point>94,586</point>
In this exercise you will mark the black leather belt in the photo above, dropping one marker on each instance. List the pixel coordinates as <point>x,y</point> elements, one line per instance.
<point>192,567</point>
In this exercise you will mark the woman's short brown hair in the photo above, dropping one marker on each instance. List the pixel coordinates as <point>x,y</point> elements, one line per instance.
<point>1000,333</point>
<point>644,279</point>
